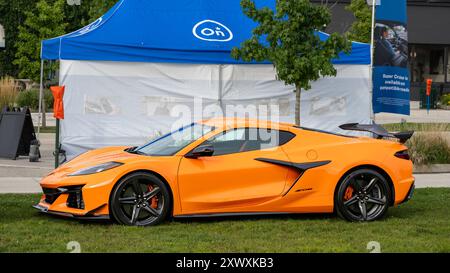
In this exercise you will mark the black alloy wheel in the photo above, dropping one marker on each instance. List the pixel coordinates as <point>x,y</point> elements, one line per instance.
<point>363,195</point>
<point>140,199</point>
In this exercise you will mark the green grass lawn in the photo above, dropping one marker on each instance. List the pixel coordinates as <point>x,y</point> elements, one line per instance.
<point>48,129</point>
<point>421,225</point>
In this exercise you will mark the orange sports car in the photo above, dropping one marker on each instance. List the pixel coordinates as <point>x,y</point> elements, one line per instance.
<point>236,167</point>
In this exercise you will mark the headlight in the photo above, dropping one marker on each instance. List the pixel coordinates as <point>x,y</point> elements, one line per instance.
<point>97,169</point>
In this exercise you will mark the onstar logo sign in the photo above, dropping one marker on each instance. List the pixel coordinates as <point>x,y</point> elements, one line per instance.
<point>212,31</point>
<point>88,28</point>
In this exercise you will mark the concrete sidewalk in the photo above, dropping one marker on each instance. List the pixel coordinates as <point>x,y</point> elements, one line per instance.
<point>31,184</point>
<point>416,116</point>
<point>51,121</point>
<point>22,167</point>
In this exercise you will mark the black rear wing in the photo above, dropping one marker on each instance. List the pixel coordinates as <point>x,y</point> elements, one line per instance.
<point>377,130</point>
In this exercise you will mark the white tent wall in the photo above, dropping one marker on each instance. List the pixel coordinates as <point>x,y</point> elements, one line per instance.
<point>122,103</point>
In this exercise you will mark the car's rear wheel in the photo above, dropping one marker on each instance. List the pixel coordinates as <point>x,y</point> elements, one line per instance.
<point>363,195</point>
<point>140,199</point>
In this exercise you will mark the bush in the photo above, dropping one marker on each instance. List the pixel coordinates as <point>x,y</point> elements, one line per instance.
<point>8,92</point>
<point>31,99</point>
<point>421,127</point>
<point>429,148</point>
<point>445,100</point>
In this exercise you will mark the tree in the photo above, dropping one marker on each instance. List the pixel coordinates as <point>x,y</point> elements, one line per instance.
<point>360,29</point>
<point>288,38</point>
<point>98,8</point>
<point>76,16</point>
<point>12,15</point>
<point>46,22</point>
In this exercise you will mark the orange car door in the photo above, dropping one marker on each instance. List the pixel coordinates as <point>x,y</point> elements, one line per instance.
<point>231,180</point>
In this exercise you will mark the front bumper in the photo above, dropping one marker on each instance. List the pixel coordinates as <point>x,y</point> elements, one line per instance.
<point>44,209</point>
<point>76,197</point>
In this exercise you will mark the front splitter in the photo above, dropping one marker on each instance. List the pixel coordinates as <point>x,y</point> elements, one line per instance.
<point>43,209</point>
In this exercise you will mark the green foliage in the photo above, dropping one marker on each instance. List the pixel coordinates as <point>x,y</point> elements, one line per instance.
<point>98,8</point>
<point>361,28</point>
<point>31,99</point>
<point>417,127</point>
<point>46,22</point>
<point>76,16</point>
<point>445,100</point>
<point>79,16</point>
<point>67,18</point>
<point>298,54</point>
<point>296,51</point>
<point>12,15</point>
<point>8,92</point>
<point>429,148</point>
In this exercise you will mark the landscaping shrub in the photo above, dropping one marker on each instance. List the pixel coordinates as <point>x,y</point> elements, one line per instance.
<point>445,100</point>
<point>429,148</point>
<point>8,92</point>
<point>421,127</point>
<point>30,99</point>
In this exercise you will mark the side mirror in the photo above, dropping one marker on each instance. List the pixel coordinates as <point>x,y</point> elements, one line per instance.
<point>202,150</point>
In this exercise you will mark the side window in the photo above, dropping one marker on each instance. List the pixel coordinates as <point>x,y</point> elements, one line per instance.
<point>248,139</point>
<point>228,142</point>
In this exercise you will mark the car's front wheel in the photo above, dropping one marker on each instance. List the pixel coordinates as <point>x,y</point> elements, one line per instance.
<point>363,195</point>
<point>140,199</point>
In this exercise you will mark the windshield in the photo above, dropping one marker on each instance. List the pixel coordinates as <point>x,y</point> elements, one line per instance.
<point>175,141</point>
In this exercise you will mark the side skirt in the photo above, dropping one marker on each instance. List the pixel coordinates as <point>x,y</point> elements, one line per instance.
<point>227,214</point>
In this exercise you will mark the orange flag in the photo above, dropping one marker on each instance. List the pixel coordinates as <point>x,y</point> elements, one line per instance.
<point>58,105</point>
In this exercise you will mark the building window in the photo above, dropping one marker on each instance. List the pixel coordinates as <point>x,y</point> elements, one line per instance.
<point>428,62</point>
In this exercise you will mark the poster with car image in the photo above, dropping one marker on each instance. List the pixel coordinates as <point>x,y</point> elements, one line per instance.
<point>391,83</point>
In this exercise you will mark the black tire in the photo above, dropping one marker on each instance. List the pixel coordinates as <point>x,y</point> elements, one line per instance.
<point>140,199</point>
<point>363,195</point>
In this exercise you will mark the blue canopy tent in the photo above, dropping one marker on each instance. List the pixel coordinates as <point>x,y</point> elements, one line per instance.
<point>165,31</point>
<point>128,69</point>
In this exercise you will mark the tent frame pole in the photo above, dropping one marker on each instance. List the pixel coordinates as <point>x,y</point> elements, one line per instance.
<point>57,144</point>
<point>57,133</point>
<point>41,92</point>
<point>220,90</point>
<point>372,39</point>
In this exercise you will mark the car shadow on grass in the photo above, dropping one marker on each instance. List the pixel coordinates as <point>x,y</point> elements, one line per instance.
<point>395,214</point>
<point>197,219</point>
<point>284,216</point>
<point>65,219</point>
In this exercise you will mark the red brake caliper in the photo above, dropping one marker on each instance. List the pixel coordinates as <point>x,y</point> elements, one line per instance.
<point>348,193</point>
<point>154,201</point>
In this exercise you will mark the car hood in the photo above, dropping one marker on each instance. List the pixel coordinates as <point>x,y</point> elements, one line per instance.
<point>96,157</point>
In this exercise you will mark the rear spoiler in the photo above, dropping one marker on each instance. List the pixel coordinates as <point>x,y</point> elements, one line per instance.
<point>377,130</point>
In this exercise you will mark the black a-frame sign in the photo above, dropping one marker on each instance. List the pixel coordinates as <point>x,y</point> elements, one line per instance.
<point>16,132</point>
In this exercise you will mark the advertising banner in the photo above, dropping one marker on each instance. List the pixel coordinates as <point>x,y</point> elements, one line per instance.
<point>390,72</point>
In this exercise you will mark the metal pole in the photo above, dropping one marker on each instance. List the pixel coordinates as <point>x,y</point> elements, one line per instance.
<point>220,90</point>
<point>41,91</point>
<point>372,114</point>
<point>57,145</point>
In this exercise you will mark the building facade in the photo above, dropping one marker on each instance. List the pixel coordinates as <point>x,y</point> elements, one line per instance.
<point>429,40</point>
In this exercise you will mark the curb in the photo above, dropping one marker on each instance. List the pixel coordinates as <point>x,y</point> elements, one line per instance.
<point>434,168</point>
